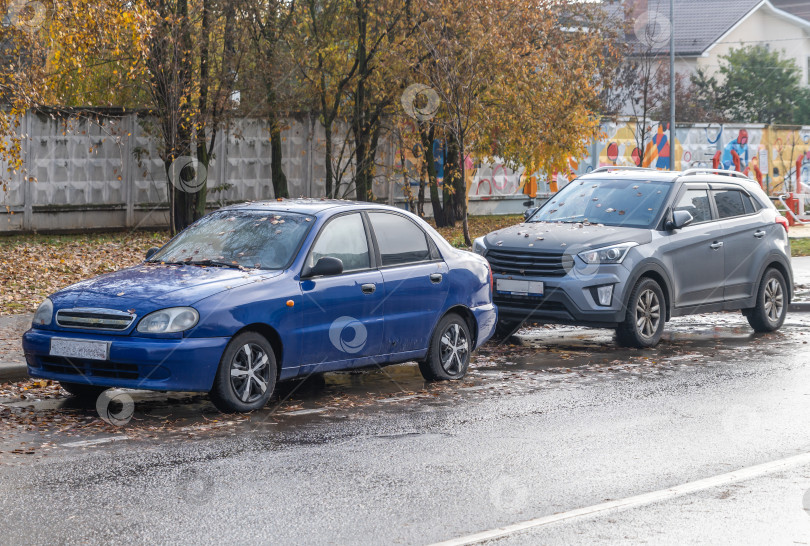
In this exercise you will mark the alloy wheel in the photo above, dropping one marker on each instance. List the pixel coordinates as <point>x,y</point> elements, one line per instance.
<point>648,313</point>
<point>250,373</point>
<point>454,349</point>
<point>774,299</point>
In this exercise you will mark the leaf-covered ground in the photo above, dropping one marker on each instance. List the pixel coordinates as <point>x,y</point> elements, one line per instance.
<point>33,266</point>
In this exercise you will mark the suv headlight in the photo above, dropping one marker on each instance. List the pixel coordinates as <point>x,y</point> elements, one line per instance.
<point>44,313</point>
<point>613,254</point>
<point>479,247</point>
<point>166,321</point>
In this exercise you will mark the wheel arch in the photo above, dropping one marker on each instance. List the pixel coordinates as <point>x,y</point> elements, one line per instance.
<point>780,266</point>
<point>658,274</point>
<point>272,336</point>
<point>468,316</point>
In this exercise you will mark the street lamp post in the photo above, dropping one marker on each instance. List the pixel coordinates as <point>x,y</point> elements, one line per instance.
<point>671,85</point>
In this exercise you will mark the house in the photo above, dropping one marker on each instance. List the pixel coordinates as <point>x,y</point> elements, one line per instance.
<point>705,30</point>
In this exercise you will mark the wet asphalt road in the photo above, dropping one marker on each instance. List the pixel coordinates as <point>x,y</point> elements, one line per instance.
<point>564,420</point>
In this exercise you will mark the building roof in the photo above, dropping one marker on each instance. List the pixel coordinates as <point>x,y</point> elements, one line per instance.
<point>700,24</point>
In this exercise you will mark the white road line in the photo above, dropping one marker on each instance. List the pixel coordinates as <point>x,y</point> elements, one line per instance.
<point>638,500</point>
<point>97,441</point>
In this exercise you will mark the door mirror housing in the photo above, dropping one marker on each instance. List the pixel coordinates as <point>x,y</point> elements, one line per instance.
<point>327,266</point>
<point>529,212</point>
<point>151,252</point>
<point>680,219</point>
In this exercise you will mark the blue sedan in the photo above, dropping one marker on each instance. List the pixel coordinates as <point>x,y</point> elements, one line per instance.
<point>263,292</point>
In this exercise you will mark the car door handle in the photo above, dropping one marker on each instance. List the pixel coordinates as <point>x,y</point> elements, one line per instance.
<point>369,288</point>
<point>759,234</point>
<point>436,278</point>
<point>715,245</point>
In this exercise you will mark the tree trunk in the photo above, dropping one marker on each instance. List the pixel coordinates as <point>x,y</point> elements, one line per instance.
<point>430,167</point>
<point>280,189</point>
<point>451,176</point>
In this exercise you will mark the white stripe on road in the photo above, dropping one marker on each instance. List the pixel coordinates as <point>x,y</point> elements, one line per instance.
<point>97,441</point>
<point>638,500</point>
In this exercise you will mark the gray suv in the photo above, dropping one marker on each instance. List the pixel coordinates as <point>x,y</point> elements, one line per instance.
<point>630,248</point>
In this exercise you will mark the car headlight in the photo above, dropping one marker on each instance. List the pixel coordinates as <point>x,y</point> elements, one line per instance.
<point>613,254</point>
<point>479,247</point>
<point>44,313</point>
<point>166,321</point>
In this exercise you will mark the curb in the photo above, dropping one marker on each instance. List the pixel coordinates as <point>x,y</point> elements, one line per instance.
<point>799,307</point>
<point>12,372</point>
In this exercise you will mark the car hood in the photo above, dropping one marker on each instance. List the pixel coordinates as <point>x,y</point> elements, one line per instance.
<point>146,287</point>
<point>548,236</point>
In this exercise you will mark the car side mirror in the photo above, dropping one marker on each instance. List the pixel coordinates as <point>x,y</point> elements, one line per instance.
<point>680,219</point>
<point>529,212</point>
<point>326,266</point>
<point>151,252</point>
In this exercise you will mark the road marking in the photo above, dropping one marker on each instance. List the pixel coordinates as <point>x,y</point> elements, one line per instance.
<point>638,500</point>
<point>97,441</point>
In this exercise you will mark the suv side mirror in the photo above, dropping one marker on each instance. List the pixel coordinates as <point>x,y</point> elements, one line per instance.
<point>151,252</point>
<point>529,212</point>
<point>325,267</point>
<point>680,219</point>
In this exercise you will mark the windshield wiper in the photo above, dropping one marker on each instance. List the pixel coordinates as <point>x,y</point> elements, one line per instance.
<point>213,263</point>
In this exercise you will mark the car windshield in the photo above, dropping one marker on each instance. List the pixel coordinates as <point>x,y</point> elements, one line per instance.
<point>239,238</point>
<point>614,202</point>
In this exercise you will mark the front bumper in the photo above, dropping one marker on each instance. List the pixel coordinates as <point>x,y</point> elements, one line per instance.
<point>566,300</point>
<point>174,364</point>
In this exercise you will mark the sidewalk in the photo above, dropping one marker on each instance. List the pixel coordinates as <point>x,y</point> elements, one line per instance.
<point>799,231</point>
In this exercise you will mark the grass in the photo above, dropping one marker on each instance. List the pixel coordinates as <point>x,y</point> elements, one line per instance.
<point>479,225</point>
<point>800,247</point>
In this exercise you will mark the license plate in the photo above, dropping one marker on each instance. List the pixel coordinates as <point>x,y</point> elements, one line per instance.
<point>519,288</point>
<point>93,350</point>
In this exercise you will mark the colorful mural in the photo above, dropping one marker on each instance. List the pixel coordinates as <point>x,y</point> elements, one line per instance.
<point>777,157</point>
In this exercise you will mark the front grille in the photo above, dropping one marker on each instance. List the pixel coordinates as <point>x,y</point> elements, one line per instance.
<point>528,303</point>
<point>94,319</point>
<point>539,264</point>
<point>91,368</point>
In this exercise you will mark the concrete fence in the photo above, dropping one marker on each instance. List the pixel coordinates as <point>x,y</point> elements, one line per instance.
<point>93,171</point>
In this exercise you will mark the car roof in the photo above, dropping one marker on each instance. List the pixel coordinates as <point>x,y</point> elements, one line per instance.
<point>308,205</point>
<point>692,175</point>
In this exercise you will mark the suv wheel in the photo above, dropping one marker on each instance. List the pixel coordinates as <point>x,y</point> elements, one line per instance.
<point>771,308</point>
<point>246,376</point>
<point>449,352</point>
<point>644,322</point>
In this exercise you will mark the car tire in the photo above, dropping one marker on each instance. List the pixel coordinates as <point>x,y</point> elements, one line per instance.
<point>449,352</point>
<point>505,329</point>
<point>246,376</point>
<point>80,390</point>
<point>771,307</point>
<point>644,321</point>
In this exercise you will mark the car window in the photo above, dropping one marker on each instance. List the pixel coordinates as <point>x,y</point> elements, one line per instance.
<point>612,202</point>
<point>696,203</point>
<point>247,238</point>
<point>400,240</point>
<point>729,203</point>
<point>748,204</point>
<point>344,238</point>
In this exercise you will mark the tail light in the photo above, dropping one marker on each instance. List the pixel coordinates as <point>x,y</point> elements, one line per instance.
<point>782,220</point>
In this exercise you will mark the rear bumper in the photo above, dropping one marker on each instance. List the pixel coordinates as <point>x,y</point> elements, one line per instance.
<point>486,316</point>
<point>181,364</point>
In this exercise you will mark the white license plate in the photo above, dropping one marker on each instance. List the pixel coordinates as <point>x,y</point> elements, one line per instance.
<point>519,288</point>
<point>93,350</point>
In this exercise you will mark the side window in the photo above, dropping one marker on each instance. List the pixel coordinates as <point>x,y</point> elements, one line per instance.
<point>729,203</point>
<point>696,203</point>
<point>401,241</point>
<point>344,238</point>
<point>748,204</point>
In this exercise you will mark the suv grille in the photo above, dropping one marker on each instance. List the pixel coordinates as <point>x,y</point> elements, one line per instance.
<point>94,319</point>
<point>540,264</point>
